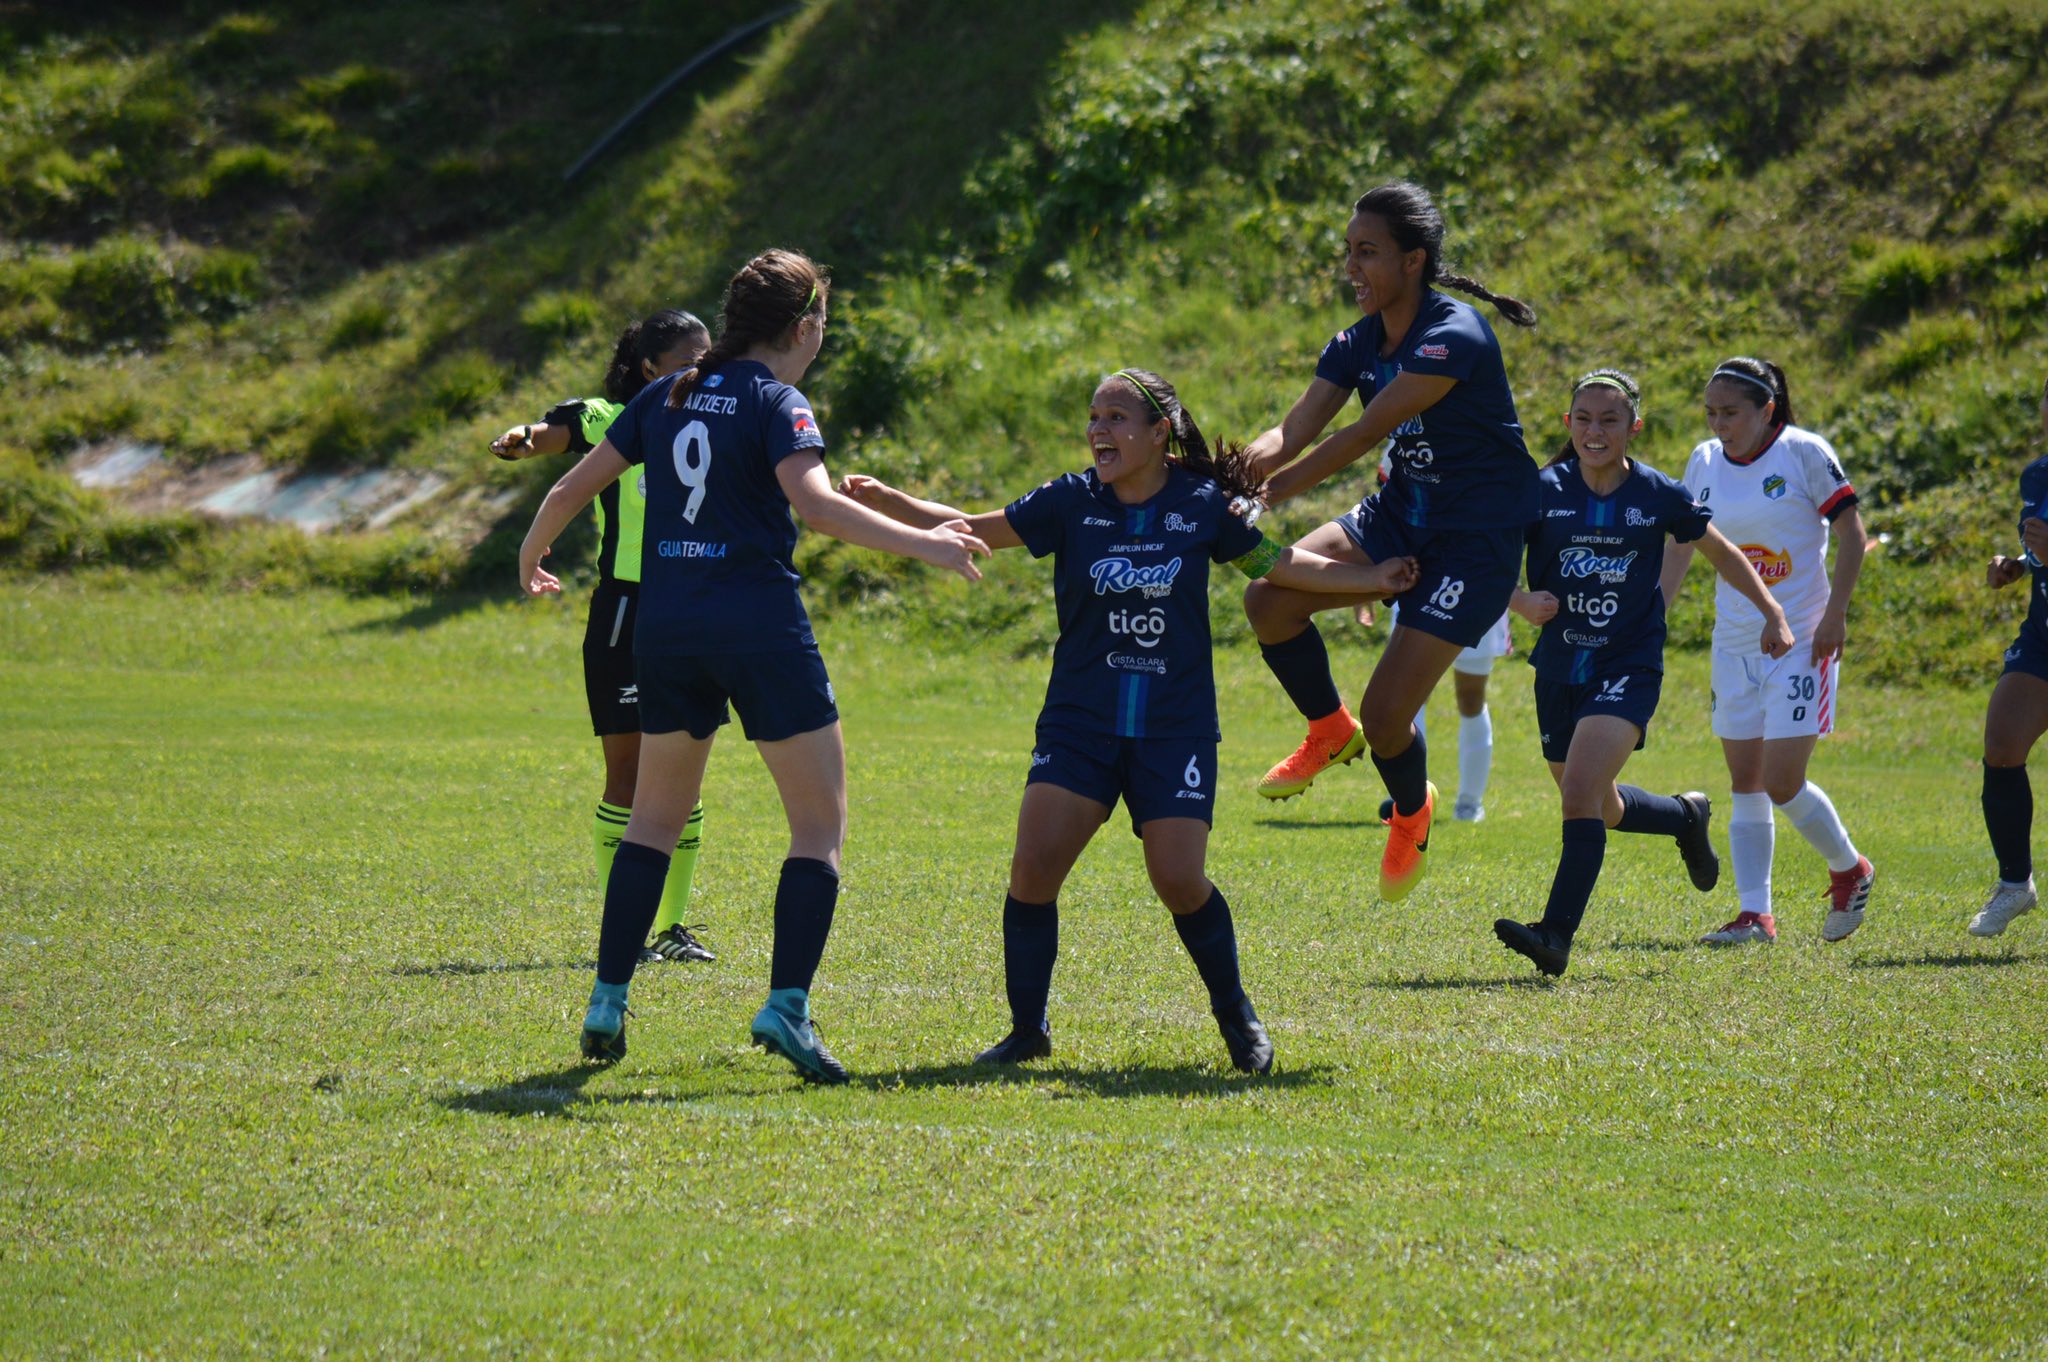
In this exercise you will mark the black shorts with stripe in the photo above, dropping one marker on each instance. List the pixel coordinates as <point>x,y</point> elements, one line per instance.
<point>609,682</point>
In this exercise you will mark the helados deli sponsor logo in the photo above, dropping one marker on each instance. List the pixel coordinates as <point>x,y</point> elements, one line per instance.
<point>1773,565</point>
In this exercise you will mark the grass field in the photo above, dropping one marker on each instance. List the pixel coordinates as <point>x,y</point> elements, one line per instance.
<point>295,920</point>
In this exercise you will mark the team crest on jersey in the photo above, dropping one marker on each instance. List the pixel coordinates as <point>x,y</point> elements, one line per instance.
<point>1773,565</point>
<point>1433,351</point>
<point>1608,567</point>
<point>1175,523</point>
<point>1121,574</point>
<point>1774,487</point>
<point>712,380</point>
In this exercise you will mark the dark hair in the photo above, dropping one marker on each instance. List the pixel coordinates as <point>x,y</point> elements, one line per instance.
<point>1761,375</point>
<point>1416,225</point>
<point>644,342</point>
<point>1228,467</point>
<point>1604,378</point>
<point>763,303</point>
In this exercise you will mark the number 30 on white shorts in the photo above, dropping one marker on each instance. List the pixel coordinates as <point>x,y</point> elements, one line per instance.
<point>1765,697</point>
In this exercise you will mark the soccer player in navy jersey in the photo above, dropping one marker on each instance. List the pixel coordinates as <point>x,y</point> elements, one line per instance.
<point>1462,491</point>
<point>1130,709</point>
<point>646,350</point>
<point>1596,551</point>
<point>730,447</point>
<point>2018,715</point>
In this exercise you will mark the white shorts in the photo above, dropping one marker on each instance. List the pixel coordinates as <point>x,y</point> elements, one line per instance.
<point>1478,661</point>
<point>1784,697</point>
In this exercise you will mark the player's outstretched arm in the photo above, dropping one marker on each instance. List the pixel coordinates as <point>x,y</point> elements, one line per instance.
<point>1309,417</point>
<point>1736,569</point>
<point>1401,401</point>
<point>991,527</point>
<point>1304,571</point>
<point>525,442</point>
<point>809,489</point>
<point>578,487</point>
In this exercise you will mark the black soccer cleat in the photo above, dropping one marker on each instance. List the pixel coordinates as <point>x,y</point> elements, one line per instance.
<point>1529,939</point>
<point>1245,1036</point>
<point>1023,1043</point>
<point>676,942</point>
<point>1695,847</point>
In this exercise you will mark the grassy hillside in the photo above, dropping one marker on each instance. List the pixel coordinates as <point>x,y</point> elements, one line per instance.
<point>1015,199</point>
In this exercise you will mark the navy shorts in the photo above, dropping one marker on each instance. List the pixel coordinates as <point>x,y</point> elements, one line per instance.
<point>2028,654</point>
<point>1155,777</point>
<point>1467,575</point>
<point>1626,695</point>
<point>778,695</point>
<point>609,681</point>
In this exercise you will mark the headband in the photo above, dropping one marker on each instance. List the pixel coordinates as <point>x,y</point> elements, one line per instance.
<point>1145,392</point>
<point>1770,393</point>
<point>813,298</point>
<point>1605,381</point>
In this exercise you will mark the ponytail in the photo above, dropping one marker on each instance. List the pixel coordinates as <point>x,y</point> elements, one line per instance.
<point>763,304</point>
<point>1415,224</point>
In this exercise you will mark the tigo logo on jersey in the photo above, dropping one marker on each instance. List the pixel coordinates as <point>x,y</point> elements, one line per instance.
<point>1121,574</point>
<point>1773,565</point>
<point>1175,523</point>
<point>1774,487</point>
<point>1598,609</point>
<point>1433,351</point>
<point>1146,627</point>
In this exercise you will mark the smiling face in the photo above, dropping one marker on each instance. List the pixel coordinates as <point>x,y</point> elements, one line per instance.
<point>1127,438</point>
<point>1601,426</point>
<point>1381,273</point>
<point>1735,418</point>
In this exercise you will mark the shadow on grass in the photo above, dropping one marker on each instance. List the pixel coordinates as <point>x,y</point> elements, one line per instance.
<point>1295,825</point>
<point>543,1094</point>
<point>1665,946</point>
<point>455,969</point>
<point>1426,984</point>
<point>427,613</point>
<point>1138,1080</point>
<point>1941,960</point>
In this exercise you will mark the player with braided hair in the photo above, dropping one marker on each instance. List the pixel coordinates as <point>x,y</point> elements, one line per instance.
<point>1130,709</point>
<point>730,448</point>
<point>1461,493</point>
<point>1595,554</point>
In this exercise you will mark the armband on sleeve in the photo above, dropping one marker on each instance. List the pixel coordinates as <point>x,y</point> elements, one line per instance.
<point>569,415</point>
<point>1260,560</point>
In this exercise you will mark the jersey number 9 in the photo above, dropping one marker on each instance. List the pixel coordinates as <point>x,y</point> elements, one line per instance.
<point>693,465</point>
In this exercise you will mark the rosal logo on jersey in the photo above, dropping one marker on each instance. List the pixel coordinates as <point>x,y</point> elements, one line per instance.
<point>1773,565</point>
<point>801,422</point>
<point>1774,487</point>
<point>1608,567</point>
<point>1121,574</point>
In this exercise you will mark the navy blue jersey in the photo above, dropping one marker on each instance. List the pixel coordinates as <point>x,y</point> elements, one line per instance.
<point>716,575</point>
<point>1601,556</point>
<point>2034,502</point>
<point>1462,464</point>
<point>1132,582</point>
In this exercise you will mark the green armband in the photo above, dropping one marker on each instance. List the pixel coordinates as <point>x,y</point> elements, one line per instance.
<point>1260,560</point>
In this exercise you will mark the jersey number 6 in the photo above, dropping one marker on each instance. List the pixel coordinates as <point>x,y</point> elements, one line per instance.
<point>693,465</point>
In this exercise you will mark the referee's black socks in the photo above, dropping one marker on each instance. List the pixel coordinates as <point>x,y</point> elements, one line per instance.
<point>1031,943</point>
<point>1578,868</point>
<point>632,894</point>
<point>1211,939</point>
<point>805,897</point>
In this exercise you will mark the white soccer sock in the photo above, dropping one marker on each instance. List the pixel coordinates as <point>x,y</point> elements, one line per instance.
<point>1752,837</point>
<point>1475,756</point>
<point>1813,813</point>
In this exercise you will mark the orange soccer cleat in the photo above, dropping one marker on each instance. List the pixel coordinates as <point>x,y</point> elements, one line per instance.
<point>1333,741</point>
<point>1407,853</point>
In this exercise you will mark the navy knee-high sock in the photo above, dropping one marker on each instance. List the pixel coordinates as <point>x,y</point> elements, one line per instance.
<point>1658,815</point>
<point>632,894</point>
<point>1211,940</point>
<point>1302,666</point>
<point>2009,818</point>
<point>804,899</point>
<point>1031,943</point>
<point>1407,776</point>
<point>1578,868</point>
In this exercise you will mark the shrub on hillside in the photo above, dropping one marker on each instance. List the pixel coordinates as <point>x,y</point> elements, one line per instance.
<point>122,288</point>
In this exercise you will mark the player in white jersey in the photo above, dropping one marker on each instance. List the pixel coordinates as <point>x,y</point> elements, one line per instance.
<point>1776,490</point>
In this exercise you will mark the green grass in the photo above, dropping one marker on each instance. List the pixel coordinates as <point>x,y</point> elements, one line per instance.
<point>298,916</point>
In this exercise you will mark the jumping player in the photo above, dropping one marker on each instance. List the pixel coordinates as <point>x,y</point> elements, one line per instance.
<point>1595,555</point>
<point>1130,710</point>
<point>662,344</point>
<point>730,448</point>
<point>2019,710</point>
<point>1463,489</point>
<point>1775,489</point>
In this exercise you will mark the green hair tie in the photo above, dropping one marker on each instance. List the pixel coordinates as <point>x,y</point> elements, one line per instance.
<point>808,302</point>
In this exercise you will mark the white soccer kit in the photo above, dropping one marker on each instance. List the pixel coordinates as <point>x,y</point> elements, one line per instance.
<point>1776,507</point>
